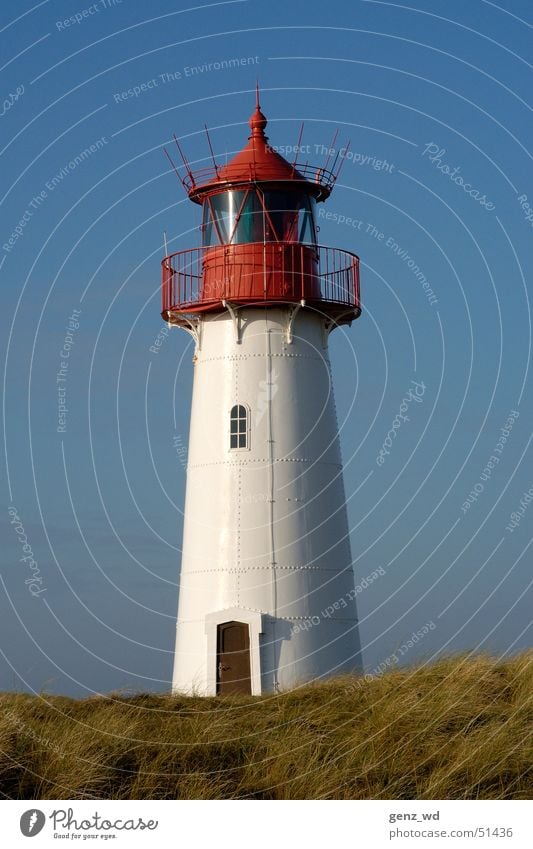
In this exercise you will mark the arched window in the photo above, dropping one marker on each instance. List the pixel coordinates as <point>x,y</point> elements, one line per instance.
<point>239,426</point>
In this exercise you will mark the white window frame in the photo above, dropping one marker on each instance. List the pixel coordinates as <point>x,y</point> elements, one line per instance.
<point>238,433</point>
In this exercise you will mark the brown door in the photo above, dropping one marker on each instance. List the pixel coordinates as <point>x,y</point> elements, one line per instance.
<point>233,659</point>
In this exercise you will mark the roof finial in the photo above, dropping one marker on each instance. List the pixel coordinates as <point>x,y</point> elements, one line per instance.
<point>257,121</point>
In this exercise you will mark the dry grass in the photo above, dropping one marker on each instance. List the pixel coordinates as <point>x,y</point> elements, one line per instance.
<point>458,729</point>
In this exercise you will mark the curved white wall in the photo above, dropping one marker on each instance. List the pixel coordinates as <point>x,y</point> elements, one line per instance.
<point>265,534</point>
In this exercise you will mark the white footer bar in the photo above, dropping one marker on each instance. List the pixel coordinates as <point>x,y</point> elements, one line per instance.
<point>254,824</point>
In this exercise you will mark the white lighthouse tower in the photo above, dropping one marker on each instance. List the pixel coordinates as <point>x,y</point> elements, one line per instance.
<point>266,594</point>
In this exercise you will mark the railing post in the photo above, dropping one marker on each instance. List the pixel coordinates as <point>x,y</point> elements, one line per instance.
<point>281,281</point>
<point>302,274</point>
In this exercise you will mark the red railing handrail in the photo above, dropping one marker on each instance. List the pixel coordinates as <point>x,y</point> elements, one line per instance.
<point>337,275</point>
<point>206,248</point>
<point>207,176</point>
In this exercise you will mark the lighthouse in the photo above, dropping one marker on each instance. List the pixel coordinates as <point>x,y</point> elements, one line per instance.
<point>266,588</point>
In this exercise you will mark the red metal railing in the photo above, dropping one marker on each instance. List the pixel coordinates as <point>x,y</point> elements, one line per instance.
<point>207,176</point>
<point>199,279</point>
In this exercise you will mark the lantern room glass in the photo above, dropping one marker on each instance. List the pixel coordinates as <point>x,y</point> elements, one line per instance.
<point>243,217</point>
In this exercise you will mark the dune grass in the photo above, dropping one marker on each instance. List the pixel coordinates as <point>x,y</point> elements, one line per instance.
<point>460,728</point>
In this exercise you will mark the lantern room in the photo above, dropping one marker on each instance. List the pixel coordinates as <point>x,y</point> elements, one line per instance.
<point>258,214</point>
<point>259,238</point>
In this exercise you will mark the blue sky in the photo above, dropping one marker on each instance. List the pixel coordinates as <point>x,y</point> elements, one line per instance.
<point>435,98</point>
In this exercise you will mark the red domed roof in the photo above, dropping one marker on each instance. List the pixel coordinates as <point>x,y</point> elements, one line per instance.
<point>258,162</point>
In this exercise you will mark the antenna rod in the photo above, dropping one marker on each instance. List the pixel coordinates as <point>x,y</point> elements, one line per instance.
<point>297,147</point>
<point>334,163</point>
<point>331,147</point>
<point>185,161</point>
<point>168,156</point>
<point>211,149</point>
<point>346,149</point>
